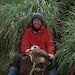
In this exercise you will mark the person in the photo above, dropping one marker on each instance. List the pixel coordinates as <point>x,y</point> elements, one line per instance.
<point>37,34</point>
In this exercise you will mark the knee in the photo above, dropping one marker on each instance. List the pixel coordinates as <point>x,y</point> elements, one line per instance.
<point>53,71</point>
<point>12,70</point>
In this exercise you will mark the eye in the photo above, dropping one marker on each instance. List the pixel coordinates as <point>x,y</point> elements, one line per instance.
<point>34,47</point>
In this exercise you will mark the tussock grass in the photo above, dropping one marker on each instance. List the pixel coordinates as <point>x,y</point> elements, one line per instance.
<point>59,16</point>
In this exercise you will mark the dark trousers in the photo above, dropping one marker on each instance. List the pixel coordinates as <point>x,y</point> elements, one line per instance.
<point>15,65</point>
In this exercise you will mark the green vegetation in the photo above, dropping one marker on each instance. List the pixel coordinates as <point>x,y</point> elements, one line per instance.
<point>60,18</point>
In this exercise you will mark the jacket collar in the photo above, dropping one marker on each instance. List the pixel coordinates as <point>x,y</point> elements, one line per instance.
<point>42,28</point>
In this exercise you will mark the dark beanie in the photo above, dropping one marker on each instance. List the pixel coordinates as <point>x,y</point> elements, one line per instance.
<point>37,16</point>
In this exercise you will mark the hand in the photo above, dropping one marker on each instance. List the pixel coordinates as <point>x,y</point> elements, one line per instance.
<point>52,56</point>
<point>28,52</point>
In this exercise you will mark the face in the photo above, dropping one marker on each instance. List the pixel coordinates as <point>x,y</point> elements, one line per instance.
<point>36,23</point>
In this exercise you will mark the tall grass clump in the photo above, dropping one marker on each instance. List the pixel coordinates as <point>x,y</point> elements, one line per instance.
<point>66,53</point>
<point>14,18</point>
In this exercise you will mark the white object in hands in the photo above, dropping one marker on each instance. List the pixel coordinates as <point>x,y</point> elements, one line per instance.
<point>33,47</point>
<point>27,50</point>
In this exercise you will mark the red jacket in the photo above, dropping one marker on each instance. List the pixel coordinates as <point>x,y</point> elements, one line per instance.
<point>42,38</point>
